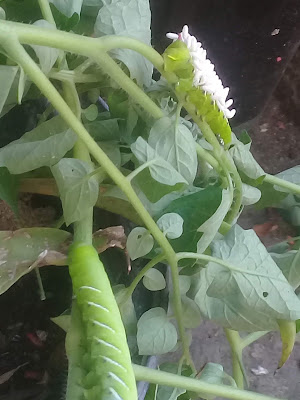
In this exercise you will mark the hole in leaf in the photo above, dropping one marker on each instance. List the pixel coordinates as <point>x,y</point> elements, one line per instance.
<point>265,294</point>
<point>139,236</point>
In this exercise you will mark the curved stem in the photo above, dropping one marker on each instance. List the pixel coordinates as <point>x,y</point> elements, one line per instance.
<point>195,385</point>
<point>46,11</point>
<point>143,272</point>
<point>19,55</point>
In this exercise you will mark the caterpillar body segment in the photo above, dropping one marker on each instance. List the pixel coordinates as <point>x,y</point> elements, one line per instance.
<point>177,61</point>
<point>108,359</point>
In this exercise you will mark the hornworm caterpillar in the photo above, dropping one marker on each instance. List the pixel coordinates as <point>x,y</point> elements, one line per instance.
<point>108,359</point>
<point>204,91</point>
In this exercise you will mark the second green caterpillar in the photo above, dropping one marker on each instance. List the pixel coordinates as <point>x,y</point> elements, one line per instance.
<point>110,375</point>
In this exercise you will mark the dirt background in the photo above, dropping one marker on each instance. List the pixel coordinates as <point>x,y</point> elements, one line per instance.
<point>29,339</point>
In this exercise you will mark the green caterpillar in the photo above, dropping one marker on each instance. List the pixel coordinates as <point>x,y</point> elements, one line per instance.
<point>108,359</point>
<point>177,61</point>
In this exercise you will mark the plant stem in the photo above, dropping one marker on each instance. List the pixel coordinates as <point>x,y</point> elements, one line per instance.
<point>206,156</point>
<point>72,76</point>
<point>252,337</point>
<point>291,187</point>
<point>142,273</point>
<point>19,55</point>
<point>46,11</point>
<point>195,385</point>
<point>111,68</point>
<point>234,341</point>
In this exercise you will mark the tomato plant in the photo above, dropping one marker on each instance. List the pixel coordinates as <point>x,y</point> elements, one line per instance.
<point>161,153</point>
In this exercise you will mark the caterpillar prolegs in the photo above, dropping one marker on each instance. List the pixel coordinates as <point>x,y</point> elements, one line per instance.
<point>108,361</point>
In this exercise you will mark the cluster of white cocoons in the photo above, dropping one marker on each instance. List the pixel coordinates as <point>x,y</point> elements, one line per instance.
<point>205,76</point>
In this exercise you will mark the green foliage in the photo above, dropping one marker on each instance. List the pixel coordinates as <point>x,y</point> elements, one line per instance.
<point>47,56</point>
<point>9,185</point>
<point>43,146</point>
<point>154,280</point>
<point>7,76</point>
<point>194,209</point>
<point>175,143</point>
<point>251,293</point>
<point>155,334</point>
<point>171,224</point>
<point>128,18</point>
<point>23,250</point>
<point>78,190</point>
<point>139,243</point>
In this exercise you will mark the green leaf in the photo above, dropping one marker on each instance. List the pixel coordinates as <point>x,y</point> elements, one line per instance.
<point>112,150</point>
<point>152,189</point>
<point>289,265</point>
<point>175,144</point>
<point>102,130</point>
<point>295,216</point>
<point>24,249</point>
<point>43,146</point>
<point>156,334</point>
<point>47,55</point>
<point>9,189</point>
<point>251,195</point>
<point>269,196</point>
<point>291,175</point>
<point>184,283</point>
<point>195,209</point>
<point>68,7</point>
<point>91,112</point>
<point>245,161</point>
<point>126,308</point>
<point>160,170</point>
<point>190,312</point>
<point>128,18</point>
<point>78,191</point>
<point>2,13</point>
<point>7,76</point>
<point>211,226</point>
<point>214,374</point>
<point>139,243</point>
<point>154,280</point>
<point>251,294</point>
<point>171,224</point>
<point>63,321</point>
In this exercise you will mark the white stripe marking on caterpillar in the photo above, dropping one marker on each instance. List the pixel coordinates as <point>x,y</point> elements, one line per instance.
<point>113,362</point>
<point>102,325</point>
<point>91,303</point>
<point>115,394</point>
<point>107,344</point>
<point>90,288</point>
<point>117,379</point>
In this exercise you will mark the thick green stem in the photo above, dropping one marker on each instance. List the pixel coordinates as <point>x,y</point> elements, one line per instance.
<point>46,11</point>
<point>195,385</point>
<point>291,187</point>
<point>234,341</point>
<point>19,55</point>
